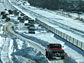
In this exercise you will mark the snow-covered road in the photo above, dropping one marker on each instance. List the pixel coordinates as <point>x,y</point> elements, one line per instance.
<point>10,31</point>
<point>33,44</point>
<point>39,43</point>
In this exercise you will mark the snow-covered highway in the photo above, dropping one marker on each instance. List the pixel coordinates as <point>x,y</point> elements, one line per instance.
<point>76,33</point>
<point>8,30</point>
<point>33,44</point>
<point>37,41</point>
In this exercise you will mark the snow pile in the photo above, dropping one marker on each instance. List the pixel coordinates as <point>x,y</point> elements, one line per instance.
<point>23,60</point>
<point>18,51</point>
<point>29,53</point>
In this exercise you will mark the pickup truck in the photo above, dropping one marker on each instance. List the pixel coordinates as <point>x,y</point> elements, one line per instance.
<point>55,50</point>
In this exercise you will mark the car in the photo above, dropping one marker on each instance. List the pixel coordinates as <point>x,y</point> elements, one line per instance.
<point>54,51</point>
<point>10,11</point>
<point>26,24</point>
<point>31,27</point>
<point>19,18</point>
<point>15,12</point>
<point>22,14</point>
<point>25,17</point>
<point>7,19</point>
<point>31,21</point>
<point>32,31</point>
<point>2,13</point>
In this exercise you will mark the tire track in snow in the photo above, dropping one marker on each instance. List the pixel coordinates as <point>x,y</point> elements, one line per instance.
<point>5,52</point>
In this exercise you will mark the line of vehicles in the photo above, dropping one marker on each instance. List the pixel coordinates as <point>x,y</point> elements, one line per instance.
<point>21,17</point>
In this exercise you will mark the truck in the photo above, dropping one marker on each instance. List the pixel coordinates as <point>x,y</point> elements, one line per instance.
<point>54,51</point>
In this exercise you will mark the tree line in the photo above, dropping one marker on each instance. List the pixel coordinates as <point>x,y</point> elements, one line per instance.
<point>59,4</point>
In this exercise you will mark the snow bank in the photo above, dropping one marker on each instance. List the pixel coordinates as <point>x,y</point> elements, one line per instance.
<point>23,53</point>
<point>29,53</point>
<point>1,41</point>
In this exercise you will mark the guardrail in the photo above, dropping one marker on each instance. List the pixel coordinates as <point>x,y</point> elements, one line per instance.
<point>68,38</point>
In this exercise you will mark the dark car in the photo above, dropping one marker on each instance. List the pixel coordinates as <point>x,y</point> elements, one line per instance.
<point>25,17</point>
<point>55,50</point>
<point>32,31</point>
<point>31,27</point>
<point>31,21</point>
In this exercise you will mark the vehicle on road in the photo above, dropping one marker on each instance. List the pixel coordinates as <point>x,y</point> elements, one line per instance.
<point>32,31</point>
<point>31,27</point>
<point>31,21</point>
<point>54,51</point>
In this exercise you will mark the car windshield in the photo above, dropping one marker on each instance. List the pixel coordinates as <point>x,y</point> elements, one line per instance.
<point>55,46</point>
